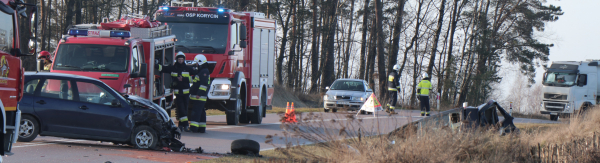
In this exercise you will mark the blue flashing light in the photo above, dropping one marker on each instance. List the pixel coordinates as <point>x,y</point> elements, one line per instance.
<point>165,8</point>
<point>220,10</point>
<point>120,34</point>
<point>78,32</point>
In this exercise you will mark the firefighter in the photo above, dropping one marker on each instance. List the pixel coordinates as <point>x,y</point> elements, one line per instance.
<point>45,57</point>
<point>198,95</point>
<point>393,88</point>
<point>423,93</point>
<point>180,73</point>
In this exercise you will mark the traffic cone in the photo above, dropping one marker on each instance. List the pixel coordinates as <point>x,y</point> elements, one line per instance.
<point>287,113</point>
<point>292,115</point>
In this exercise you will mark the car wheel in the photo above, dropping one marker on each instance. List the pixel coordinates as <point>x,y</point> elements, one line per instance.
<point>245,146</point>
<point>554,117</point>
<point>258,112</point>
<point>28,129</point>
<point>334,110</point>
<point>144,137</point>
<point>326,110</point>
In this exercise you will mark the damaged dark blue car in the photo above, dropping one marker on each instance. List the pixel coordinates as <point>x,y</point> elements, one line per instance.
<point>71,106</point>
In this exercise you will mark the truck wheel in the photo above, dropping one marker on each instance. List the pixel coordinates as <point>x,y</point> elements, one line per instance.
<point>233,118</point>
<point>333,110</point>
<point>257,115</point>
<point>144,137</point>
<point>245,146</point>
<point>326,110</point>
<point>554,117</point>
<point>29,129</point>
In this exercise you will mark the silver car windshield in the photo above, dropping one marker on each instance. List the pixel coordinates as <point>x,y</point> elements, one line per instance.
<point>348,85</point>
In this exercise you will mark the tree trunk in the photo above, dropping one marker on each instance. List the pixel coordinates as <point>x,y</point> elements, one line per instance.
<point>363,44</point>
<point>314,56</point>
<point>78,12</point>
<point>393,59</point>
<point>436,38</point>
<point>69,16</point>
<point>380,53</point>
<point>121,9</point>
<point>145,7</point>
<point>291,58</point>
<point>349,42</point>
<point>327,77</point>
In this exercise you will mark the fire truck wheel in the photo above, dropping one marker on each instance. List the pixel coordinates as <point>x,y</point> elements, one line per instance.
<point>257,115</point>
<point>144,137</point>
<point>245,146</point>
<point>233,117</point>
<point>29,129</point>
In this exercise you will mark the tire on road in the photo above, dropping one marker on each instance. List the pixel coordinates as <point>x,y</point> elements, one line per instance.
<point>245,146</point>
<point>333,110</point>
<point>554,117</point>
<point>28,129</point>
<point>239,115</point>
<point>144,137</point>
<point>256,117</point>
<point>326,110</point>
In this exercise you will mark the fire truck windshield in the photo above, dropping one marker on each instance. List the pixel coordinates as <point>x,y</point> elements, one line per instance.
<point>6,32</point>
<point>200,38</point>
<point>89,57</point>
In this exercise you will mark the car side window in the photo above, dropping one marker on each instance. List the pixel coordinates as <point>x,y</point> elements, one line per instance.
<point>30,86</point>
<point>90,92</point>
<point>56,88</point>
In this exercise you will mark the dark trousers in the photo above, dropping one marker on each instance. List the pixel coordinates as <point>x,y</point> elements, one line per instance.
<point>424,103</point>
<point>182,109</point>
<point>393,99</point>
<point>198,116</point>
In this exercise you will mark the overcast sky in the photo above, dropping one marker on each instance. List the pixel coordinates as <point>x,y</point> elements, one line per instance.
<point>576,34</point>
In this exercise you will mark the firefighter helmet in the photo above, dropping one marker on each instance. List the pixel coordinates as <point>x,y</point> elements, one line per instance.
<point>44,54</point>
<point>396,67</point>
<point>426,75</point>
<point>200,59</point>
<point>180,54</point>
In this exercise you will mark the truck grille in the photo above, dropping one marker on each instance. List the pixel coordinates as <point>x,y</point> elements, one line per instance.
<point>552,96</point>
<point>554,106</point>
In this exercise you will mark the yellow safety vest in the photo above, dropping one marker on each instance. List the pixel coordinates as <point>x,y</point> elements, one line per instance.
<point>424,86</point>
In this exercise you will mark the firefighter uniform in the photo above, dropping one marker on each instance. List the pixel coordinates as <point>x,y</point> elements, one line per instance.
<point>198,95</point>
<point>393,88</point>
<point>423,93</point>
<point>45,57</point>
<point>181,89</point>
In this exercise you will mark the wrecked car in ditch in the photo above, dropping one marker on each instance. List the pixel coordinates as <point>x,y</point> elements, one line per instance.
<point>484,115</point>
<point>71,106</point>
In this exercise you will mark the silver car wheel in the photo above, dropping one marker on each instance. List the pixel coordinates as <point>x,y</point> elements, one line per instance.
<point>26,129</point>
<point>143,139</point>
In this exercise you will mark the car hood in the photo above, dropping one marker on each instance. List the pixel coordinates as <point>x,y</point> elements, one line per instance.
<point>347,93</point>
<point>150,105</point>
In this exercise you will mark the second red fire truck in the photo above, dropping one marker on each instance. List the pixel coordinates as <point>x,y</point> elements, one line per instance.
<point>240,49</point>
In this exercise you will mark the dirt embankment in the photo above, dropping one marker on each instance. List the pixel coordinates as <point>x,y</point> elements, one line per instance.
<point>300,100</point>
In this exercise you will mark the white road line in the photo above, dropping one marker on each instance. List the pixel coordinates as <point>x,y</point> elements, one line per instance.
<point>41,143</point>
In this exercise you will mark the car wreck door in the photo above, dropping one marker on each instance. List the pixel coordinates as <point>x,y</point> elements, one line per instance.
<point>100,118</point>
<point>54,105</point>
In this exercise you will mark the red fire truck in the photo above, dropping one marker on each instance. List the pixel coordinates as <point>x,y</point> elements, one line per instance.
<point>240,49</point>
<point>121,55</point>
<point>11,70</point>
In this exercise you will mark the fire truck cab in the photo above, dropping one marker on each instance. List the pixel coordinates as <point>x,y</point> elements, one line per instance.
<point>240,49</point>
<point>123,58</point>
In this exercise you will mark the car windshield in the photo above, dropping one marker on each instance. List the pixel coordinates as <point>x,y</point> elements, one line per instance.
<point>348,85</point>
<point>559,79</point>
<point>89,57</point>
<point>200,38</point>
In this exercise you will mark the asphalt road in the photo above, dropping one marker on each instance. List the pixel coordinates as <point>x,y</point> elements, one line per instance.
<point>217,140</point>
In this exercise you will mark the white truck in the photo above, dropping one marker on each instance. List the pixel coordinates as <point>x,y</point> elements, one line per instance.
<point>570,87</point>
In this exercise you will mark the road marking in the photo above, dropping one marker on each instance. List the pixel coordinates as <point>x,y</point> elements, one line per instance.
<point>42,143</point>
<point>279,123</point>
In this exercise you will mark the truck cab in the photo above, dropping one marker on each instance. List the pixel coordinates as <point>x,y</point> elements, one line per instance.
<point>122,58</point>
<point>240,49</point>
<point>569,87</point>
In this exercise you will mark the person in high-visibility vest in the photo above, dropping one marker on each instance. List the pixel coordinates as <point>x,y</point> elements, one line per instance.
<point>393,88</point>
<point>198,95</point>
<point>45,57</point>
<point>423,93</point>
<point>180,74</point>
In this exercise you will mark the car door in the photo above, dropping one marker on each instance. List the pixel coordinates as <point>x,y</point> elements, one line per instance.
<point>96,114</point>
<point>53,103</point>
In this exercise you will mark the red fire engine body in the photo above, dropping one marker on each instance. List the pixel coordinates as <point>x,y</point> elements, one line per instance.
<point>240,49</point>
<point>120,55</point>
<point>11,70</point>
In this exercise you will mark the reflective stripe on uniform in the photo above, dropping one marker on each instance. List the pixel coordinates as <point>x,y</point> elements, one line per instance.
<point>185,74</point>
<point>176,91</point>
<point>174,74</point>
<point>159,67</point>
<point>194,97</point>
<point>194,124</point>
<point>392,89</point>
<point>183,119</point>
<point>203,87</point>
<point>202,124</point>
<point>391,78</point>
<point>203,98</point>
<point>186,91</point>
<point>196,79</point>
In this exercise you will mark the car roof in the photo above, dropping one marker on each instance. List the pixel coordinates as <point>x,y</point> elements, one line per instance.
<point>346,79</point>
<point>54,74</point>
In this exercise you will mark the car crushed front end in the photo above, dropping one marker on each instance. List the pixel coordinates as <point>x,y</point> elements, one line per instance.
<point>145,112</point>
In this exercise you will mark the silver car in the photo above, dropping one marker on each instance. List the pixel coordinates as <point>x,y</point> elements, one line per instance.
<point>347,94</point>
